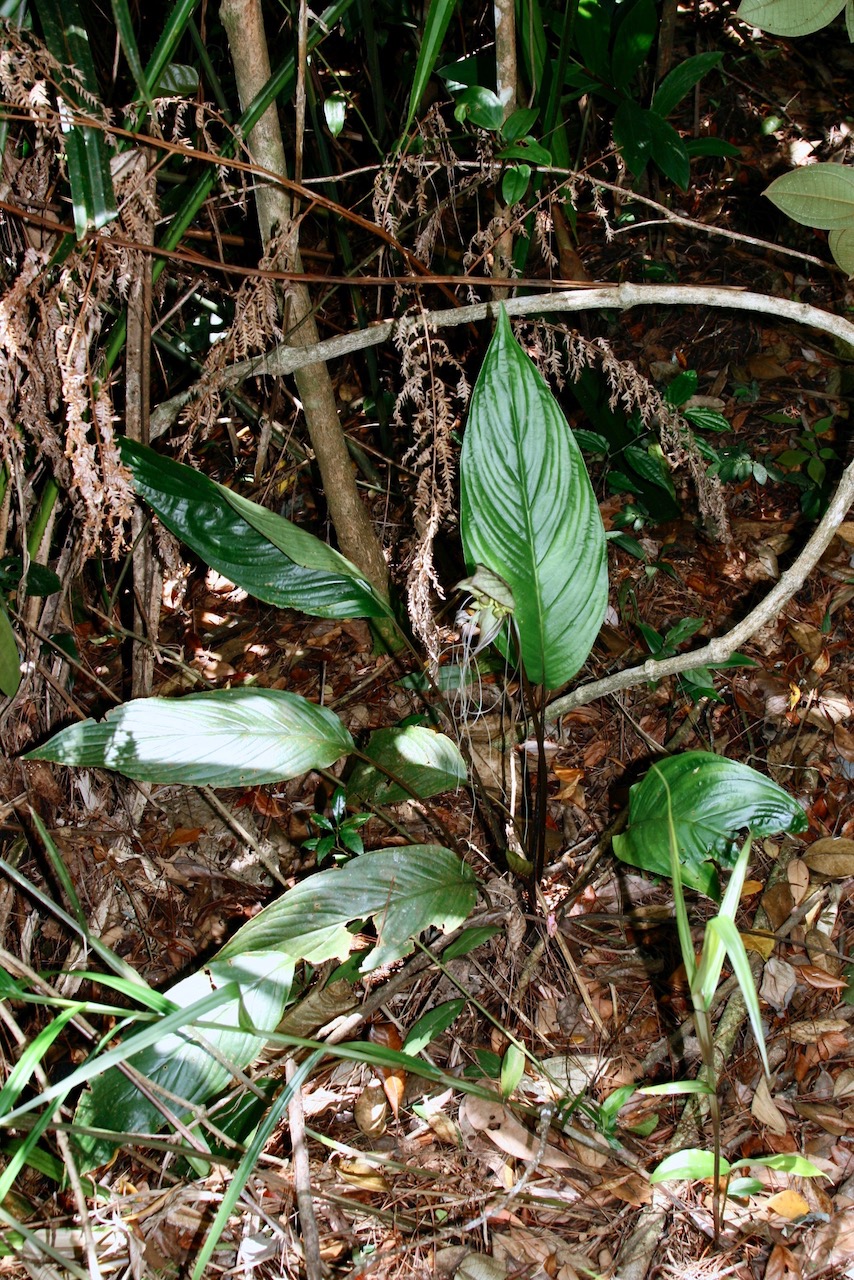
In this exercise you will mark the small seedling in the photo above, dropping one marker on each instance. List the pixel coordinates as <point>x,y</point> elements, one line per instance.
<point>340,833</point>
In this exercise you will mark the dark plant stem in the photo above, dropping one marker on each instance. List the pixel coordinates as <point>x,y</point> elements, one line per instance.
<point>537,854</point>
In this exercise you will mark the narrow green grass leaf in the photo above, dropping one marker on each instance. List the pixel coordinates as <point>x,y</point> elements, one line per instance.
<point>10,658</point>
<point>438,17</point>
<point>127,36</point>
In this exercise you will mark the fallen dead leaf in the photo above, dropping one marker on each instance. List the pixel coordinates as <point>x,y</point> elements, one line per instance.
<point>811,1031</point>
<point>393,1078</point>
<point>832,1245</point>
<point>779,981</point>
<point>498,1123</point>
<point>765,1110</point>
<point>832,856</point>
<point>782,1264</point>
<point>822,952</point>
<point>788,1204</point>
<point>798,875</point>
<point>819,978</point>
<point>371,1110</point>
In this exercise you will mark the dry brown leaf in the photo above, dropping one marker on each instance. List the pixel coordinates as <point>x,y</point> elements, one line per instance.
<point>832,856</point>
<point>788,1204</point>
<point>810,1031</point>
<point>832,1245</point>
<point>822,952</point>
<point>362,1174</point>
<point>843,1085</point>
<point>819,978</point>
<point>798,875</point>
<point>497,1122</point>
<point>845,531</point>
<point>826,1114</point>
<point>765,1110</point>
<point>631,1188</point>
<point>778,904</point>
<point>371,1110</point>
<point>782,1264</point>
<point>843,740</point>
<point>808,638</point>
<point>779,981</point>
<point>393,1078</point>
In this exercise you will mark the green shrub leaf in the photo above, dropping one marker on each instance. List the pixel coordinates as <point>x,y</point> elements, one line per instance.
<point>225,738</point>
<point>529,514</point>
<point>842,247</point>
<point>405,890</point>
<point>10,659</point>
<point>817,195</point>
<point>180,1061</point>
<point>712,800</point>
<point>426,762</point>
<point>688,1165</point>
<point>681,81</point>
<point>256,549</point>
<point>789,17</point>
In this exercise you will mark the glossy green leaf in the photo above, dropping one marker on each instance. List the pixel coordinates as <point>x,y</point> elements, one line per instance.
<point>335,112</point>
<point>527,149</point>
<point>633,42</point>
<point>528,513</point>
<point>438,17</point>
<point>514,183</point>
<point>87,157</point>
<point>713,799</point>
<point>264,553</point>
<point>519,123</point>
<point>841,245</point>
<point>127,36</point>
<point>789,17</point>
<point>783,1163</point>
<point>405,890</point>
<point>722,928</point>
<point>224,738</point>
<point>512,1069</point>
<point>10,659</point>
<point>592,35</point>
<point>643,135</point>
<point>481,106</point>
<point>688,1165</point>
<point>677,1087</point>
<point>432,1024</point>
<point>681,80</point>
<point>181,1061</point>
<point>427,763</point>
<point>469,940</point>
<point>817,195</point>
<point>710,147</point>
<point>849,19</point>
<point>179,80</point>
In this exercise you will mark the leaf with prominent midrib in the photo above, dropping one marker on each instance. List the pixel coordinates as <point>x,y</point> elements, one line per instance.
<point>528,513</point>
<point>256,549</point>
<point>225,738</point>
<point>711,800</point>
<point>405,890</point>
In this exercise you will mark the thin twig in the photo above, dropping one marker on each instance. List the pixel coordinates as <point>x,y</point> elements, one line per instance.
<point>302,1181</point>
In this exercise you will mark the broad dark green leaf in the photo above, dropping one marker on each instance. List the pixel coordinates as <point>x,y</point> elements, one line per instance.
<point>481,106</point>
<point>432,1024</point>
<point>633,42</point>
<point>10,659</point>
<point>643,136</point>
<point>225,738</point>
<point>789,17</point>
<point>842,247</point>
<point>405,890</point>
<point>592,36</point>
<point>438,16</point>
<point>427,762</point>
<point>180,1062</point>
<point>257,549</point>
<point>688,1165</point>
<point>88,159</point>
<point>712,800</point>
<point>528,513</point>
<point>681,81</point>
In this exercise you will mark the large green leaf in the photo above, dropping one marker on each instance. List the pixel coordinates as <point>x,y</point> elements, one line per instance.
<point>681,80</point>
<point>644,135</point>
<point>818,195</point>
<point>405,890</point>
<point>436,24</point>
<point>841,244</point>
<point>529,514</point>
<point>10,659</point>
<point>633,42</point>
<point>181,1062</point>
<point>257,549</point>
<point>225,738</point>
<point>87,156</point>
<point>789,17</point>
<point>711,800</point>
<point>427,762</point>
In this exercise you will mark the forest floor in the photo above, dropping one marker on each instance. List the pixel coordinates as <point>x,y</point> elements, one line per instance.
<point>408,1181</point>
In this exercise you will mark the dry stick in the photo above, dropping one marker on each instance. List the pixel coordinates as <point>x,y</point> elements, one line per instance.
<point>302,1181</point>
<point>244,25</point>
